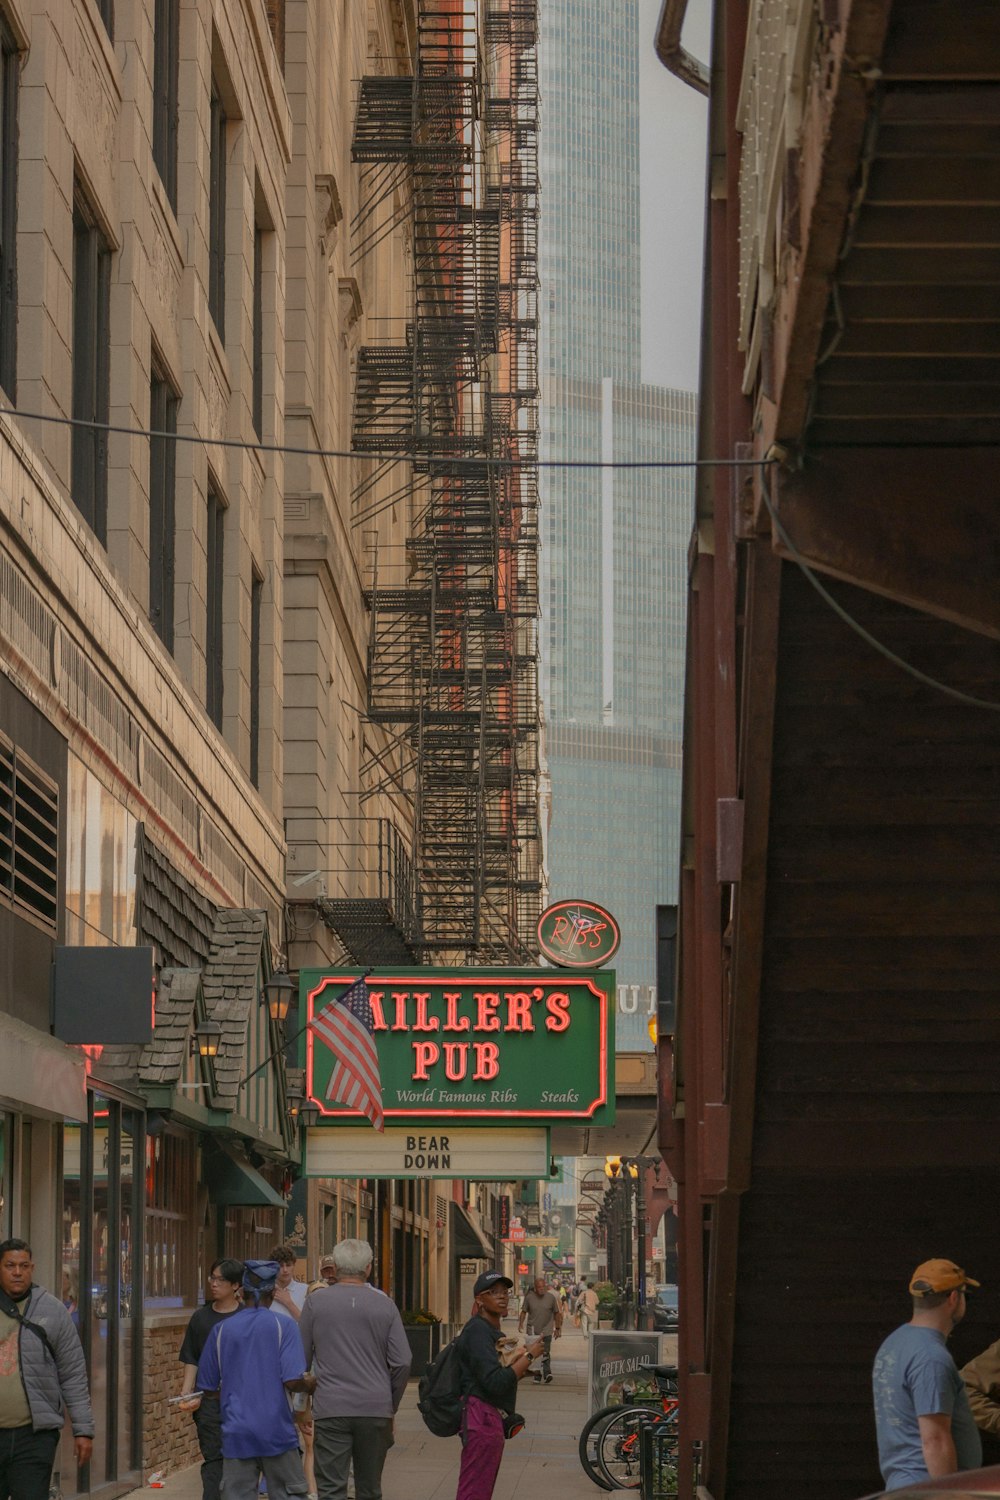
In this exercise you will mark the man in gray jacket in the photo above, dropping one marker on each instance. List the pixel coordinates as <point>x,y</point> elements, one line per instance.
<point>353,1336</point>
<point>42,1374</point>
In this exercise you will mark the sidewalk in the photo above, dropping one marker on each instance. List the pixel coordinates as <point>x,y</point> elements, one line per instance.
<point>541,1463</point>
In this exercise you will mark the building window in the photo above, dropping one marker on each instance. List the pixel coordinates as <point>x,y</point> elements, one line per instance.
<point>171,1174</point>
<point>91,340</point>
<point>258,330</point>
<point>217,213</point>
<point>166,35</point>
<point>10,73</point>
<point>163,404</point>
<point>256,597</point>
<point>29,838</point>
<point>213,607</point>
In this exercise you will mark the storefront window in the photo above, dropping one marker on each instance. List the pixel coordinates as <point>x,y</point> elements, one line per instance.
<point>99,1228</point>
<point>171,1174</point>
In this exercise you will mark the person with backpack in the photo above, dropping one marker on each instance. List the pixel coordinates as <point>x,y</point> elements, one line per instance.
<point>488,1386</point>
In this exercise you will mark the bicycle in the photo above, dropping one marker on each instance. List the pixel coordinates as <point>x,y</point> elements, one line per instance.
<point>610,1440</point>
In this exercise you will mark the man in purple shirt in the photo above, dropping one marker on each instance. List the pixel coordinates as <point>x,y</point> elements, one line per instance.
<point>353,1337</point>
<point>253,1359</point>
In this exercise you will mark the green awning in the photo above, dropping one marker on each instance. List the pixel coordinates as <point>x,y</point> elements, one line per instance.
<point>468,1239</point>
<point>233,1182</point>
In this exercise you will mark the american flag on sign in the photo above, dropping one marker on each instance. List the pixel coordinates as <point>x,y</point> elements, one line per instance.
<point>346,1026</point>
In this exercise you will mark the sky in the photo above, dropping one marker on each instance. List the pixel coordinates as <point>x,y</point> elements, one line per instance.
<point>673,121</point>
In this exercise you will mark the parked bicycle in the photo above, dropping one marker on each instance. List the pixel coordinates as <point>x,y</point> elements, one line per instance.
<point>610,1441</point>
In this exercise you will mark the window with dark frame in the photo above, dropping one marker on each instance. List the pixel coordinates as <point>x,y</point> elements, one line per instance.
<point>217,213</point>
<point>91,373</point>
<point>163,404</point>
<point>256,598</point>
<point>29,838</point>
<point>166,53</point>
<point>213,607</point>
<point>10,74</point>
<point>258,330</point>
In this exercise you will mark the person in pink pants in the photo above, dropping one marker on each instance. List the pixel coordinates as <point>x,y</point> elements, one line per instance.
<point>488,1386</point>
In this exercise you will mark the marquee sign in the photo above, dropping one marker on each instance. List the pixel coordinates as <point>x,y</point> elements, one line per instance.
<point>578,934</point>
<point>474,1044</point>
<point>483,1154</point>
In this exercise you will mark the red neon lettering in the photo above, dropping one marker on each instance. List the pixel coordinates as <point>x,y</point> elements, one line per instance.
<point>425,1055</point>
<point>487,1061</point>
<point>422,1023</point>
<point>378,1015</point>
<point>456,1060</point>
<point>519,1017</point>
<point>453,1021</point>
<point>487,1005</point>
<point>400,998</point>
<point>557,1005</point>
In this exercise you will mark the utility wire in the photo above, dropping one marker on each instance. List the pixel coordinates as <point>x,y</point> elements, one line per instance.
<point>858,628</point>
<point>453,460</point>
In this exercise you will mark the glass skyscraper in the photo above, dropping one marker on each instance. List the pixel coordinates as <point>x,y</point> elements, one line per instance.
<point>614,540</point>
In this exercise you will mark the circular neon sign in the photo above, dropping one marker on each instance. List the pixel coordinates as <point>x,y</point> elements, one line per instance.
<point>578,934</point>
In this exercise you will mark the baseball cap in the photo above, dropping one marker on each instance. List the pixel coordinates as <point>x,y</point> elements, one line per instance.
<point>490,1279</point>
<point>326,1260</point>
<point>938,1276</point>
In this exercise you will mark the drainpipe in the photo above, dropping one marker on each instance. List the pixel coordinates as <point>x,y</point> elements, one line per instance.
<point>670,52</point>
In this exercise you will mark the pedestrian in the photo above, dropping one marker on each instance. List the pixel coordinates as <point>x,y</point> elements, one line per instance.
<point>354,1340</point>
<point>543,1312</point>
<point>981,1378</point>
<point>923,1422</point>
<point>289,1294</point>
<point>224,1282</point>
<point>328,1268</point>
<point>586,1306</point>
<point>252,1360</point>
<point>43,1375</point>
<point>489,1387</point>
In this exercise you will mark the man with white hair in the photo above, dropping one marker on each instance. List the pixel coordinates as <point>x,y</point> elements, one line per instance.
<point>354,1341</point>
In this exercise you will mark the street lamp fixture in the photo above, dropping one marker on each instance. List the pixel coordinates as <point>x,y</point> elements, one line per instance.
<point>206,1039</point>
<point>309,1114</point>
<point>612,1167</point>
<point>278,993</point>
<point>295,1091</point>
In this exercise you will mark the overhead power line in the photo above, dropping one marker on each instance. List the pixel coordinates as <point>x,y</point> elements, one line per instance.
<point>394,455</point>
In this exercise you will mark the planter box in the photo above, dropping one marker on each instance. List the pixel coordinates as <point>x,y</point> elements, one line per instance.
<point>424,1340</point>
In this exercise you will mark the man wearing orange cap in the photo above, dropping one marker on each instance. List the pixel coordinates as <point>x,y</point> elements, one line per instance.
<point>923,1420</point>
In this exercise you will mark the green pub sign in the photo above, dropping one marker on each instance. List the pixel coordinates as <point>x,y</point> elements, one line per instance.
<point>479,1044</point>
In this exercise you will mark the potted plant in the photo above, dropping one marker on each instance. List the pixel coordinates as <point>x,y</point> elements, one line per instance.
<point>607,1303</point>
<point>423,1333</point>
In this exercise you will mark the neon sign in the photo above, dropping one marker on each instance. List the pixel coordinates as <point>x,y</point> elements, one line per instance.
<point>578,934</point>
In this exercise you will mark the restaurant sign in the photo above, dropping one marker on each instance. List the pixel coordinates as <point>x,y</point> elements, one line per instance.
<point>474,1044</point>
<point>578,934</point>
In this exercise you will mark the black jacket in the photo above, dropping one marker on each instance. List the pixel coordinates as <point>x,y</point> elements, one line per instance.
<point>483,1375</point>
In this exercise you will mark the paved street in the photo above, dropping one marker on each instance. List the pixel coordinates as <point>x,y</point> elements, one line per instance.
<point>541,1462</point>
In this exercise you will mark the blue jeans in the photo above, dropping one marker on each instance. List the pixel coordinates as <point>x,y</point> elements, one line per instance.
<point>26,1458</point>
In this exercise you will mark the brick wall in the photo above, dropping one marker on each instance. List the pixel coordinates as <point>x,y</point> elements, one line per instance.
<point>170,1441</point>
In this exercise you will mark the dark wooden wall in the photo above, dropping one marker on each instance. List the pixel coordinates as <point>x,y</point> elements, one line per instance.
<point>877,1124</point>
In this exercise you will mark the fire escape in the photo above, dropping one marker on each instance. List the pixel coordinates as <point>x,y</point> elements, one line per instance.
<point>453,647</point>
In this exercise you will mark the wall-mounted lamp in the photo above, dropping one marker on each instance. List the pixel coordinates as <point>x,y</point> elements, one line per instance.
<point>295,1091</point>
<point>206,1039</point>
<point>309,1114</point>
<point>651,1028</point>
<point>278,993</point>
<point>612,1166</point>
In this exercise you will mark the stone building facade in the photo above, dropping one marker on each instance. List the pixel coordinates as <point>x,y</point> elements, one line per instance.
<point>180,601</point>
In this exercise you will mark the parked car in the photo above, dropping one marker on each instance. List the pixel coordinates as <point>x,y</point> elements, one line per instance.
<point>665,1309</point>
<point>962,1486</point>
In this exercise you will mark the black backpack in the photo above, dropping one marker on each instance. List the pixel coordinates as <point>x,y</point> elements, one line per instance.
<point>439,1393</point>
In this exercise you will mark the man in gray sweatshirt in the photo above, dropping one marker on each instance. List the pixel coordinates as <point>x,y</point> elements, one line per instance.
<point>42,1374</point>
<point>354,1340</point>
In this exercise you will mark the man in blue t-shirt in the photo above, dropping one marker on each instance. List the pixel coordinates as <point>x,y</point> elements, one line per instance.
<point>923,1420</point>
<point>253,1360</point>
